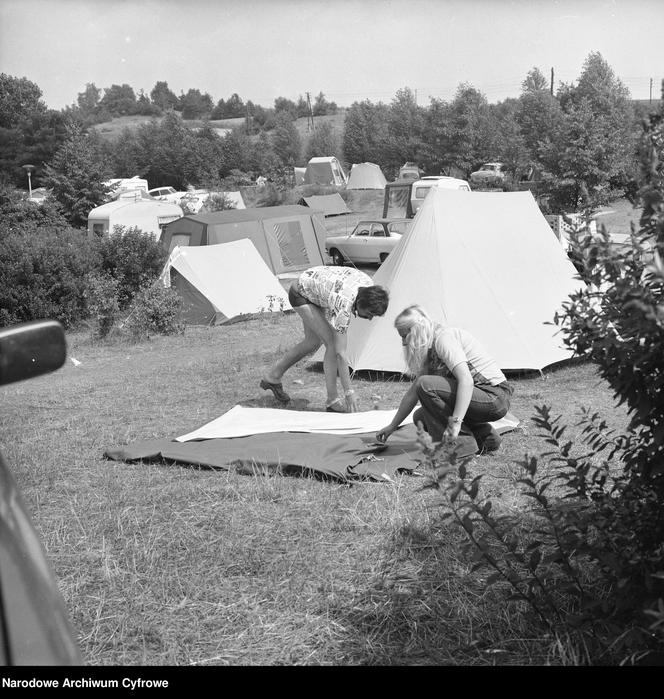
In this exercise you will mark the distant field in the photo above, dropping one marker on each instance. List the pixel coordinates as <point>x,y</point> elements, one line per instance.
<point>112,129</point>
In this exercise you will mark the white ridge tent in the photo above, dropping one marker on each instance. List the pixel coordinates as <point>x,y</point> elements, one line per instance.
<point>326,171</point>
<point>484,261</point>
<point>366,176</point>
<point>221,282</point>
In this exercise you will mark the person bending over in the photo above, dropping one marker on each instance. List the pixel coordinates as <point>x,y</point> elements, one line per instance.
<point>458,385</point>
<point>326,299</point>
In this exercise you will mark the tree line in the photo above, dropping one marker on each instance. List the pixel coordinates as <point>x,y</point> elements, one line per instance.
<point>580,142</point>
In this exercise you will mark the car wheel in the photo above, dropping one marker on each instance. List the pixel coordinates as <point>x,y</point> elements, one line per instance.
<point>337,257</point>
<point>383,256</point>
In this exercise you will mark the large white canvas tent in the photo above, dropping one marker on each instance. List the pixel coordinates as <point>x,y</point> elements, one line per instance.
<point>218,283</point>
<point>288,238</point>
<point>325,171</point>
<point>133,210</point>
<point>366,176</point>
<point>486,262</point>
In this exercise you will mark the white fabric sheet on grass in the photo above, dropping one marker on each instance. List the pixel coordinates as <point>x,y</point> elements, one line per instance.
<point>241,421</point>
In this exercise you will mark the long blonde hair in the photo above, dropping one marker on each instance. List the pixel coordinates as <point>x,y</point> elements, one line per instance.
<point>421,330</point>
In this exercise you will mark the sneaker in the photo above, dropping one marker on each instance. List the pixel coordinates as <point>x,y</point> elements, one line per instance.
<point>486,436</point>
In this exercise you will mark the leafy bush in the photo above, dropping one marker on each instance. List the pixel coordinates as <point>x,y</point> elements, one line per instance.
<point>43,274</point>
<point>155,309</point>
<point>132,257</point>
<point>102,299</point>
<point>589,557</point>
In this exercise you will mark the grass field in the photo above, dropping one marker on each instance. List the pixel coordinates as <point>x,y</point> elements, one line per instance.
<point>163,564</point>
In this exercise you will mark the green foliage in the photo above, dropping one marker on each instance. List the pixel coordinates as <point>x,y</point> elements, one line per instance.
<point>286,141</point>
<point>323,142</point>
<point>196,105</point>
<point>19,99</point>
<point>322,107</point>
<point>101,294</point>
<point>133,258</point>
<point>18,214</point>
<point>365,133</point>
<point>76,175</point>
<point>404,130</point>
<point>119,100</point>
<point>154,309</point>
<point>163,97</point>
<point>590,152</point>
<point>42,273</point>
<point>589,557</point>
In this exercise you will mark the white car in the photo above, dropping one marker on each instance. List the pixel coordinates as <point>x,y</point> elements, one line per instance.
<point>421,188</point>
<point>370,242</point>
<point>166,194</point>
<point>490,174</point>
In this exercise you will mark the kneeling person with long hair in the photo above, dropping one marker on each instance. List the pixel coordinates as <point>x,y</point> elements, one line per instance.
<point>459,386</point>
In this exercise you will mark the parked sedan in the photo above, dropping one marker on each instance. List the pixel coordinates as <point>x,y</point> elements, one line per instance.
<point>169,194</point>
<point>369,243</point>
<point>489,174</point>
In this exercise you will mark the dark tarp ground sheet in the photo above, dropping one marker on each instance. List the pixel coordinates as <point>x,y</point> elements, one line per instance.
<point>341,457</point>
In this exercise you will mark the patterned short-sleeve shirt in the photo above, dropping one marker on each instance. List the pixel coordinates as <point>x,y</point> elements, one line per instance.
<point>334,289</point>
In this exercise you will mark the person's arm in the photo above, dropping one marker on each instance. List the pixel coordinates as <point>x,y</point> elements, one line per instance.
<point>408,402</point>
<point>464,395</point>
<point>340,346</point>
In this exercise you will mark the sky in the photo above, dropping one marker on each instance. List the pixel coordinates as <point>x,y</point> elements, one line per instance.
<point>349,50</point>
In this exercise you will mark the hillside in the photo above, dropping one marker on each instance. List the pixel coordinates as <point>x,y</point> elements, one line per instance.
<point>111,130</point>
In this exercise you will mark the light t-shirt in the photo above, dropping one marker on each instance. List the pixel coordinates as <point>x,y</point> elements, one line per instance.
<point>334,289</point>
<point>452,346</point>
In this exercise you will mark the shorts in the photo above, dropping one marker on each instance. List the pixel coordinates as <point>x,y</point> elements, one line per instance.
<point>295,298</point>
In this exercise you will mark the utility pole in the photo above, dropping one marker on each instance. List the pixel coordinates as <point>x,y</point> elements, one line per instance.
<point>310,114</point>
<point>650,90</point>
<point>551,82</point>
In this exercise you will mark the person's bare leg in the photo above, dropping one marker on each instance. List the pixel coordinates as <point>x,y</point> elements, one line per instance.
<point>308,345</point>
<point>317,331</point>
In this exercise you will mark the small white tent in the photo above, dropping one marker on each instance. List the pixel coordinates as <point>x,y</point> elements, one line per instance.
<point>325,171</point>
<point>366,176</point>
<point>132,210</point>
<point>218,283</point>
<point>484,261</point>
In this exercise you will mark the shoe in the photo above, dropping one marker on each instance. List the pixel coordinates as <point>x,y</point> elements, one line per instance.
<point>277,389</point>
<point>487,437</point>
<point>331,409</point>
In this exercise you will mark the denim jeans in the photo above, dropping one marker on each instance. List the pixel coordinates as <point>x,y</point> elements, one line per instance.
<point>437,396</point>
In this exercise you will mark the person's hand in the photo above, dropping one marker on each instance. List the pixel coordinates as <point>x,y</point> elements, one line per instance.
<point>451,431</point>
<point>352,403</point>
<point>384,434</point>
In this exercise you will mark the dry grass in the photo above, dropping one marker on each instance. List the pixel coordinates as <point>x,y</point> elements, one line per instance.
<point>163,564</point>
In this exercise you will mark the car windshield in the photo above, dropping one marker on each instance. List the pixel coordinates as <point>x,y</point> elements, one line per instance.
<point>399,227</point>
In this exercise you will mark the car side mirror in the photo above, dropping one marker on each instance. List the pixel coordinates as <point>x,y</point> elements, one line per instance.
<point>31,349</point>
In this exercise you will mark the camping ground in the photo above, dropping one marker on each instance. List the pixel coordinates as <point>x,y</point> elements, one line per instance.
<point>162,564</point>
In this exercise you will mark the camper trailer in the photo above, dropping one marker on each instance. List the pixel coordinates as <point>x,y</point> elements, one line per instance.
<point>120,186</point>
<point>421,188</point>
<point>132,210</point>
